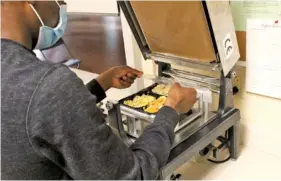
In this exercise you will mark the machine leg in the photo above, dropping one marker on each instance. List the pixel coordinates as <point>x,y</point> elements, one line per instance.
<point>234,136</point>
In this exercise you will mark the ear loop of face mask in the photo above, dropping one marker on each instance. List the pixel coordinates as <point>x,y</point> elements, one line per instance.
<point>34,10</point>
<point>57,3</point>
<point>78,65</point>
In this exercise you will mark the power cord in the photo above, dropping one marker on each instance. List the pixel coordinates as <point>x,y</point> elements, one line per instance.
<point>175,177</point>
<point>224,141</point>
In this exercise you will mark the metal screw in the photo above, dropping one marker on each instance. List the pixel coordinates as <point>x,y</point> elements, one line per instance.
<point>109,106</point>
<point>233,74</point>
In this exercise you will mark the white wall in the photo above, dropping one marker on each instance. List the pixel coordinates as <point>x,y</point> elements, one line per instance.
<point>92,6</point>
<point>134,57</point>
<point>261,120</point>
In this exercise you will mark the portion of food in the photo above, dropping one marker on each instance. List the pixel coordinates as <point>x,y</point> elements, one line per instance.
<point>140,101</point>
<point>154,106</point>
<point>149,103</point>
<point>162,89</point>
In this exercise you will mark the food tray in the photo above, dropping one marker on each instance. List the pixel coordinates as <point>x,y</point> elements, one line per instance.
<point>147,91</point>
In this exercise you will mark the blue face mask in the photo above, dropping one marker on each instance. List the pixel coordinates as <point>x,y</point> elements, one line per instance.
<point>49,36</point>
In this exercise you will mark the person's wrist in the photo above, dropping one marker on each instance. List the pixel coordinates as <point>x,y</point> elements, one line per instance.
<point>171,103</point>
<point>105,81</point>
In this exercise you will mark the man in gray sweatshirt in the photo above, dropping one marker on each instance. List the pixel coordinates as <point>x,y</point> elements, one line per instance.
<point>50,125</point>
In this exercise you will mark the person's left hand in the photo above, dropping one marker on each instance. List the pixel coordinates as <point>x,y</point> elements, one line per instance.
<point>120,77</point>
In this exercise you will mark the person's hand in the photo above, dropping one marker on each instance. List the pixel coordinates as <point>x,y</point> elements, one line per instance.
<point>120,77</point>
<point>181,99</point>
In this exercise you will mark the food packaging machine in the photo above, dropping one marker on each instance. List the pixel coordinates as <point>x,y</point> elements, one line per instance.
<point>193,43</point>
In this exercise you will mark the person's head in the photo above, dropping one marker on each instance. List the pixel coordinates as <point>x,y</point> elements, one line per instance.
<point>26,18</point>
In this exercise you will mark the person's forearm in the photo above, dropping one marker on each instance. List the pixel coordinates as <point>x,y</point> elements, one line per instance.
<point>153,146</point>
<point>103,81</point>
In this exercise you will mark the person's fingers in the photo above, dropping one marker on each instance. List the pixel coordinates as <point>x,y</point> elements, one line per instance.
<point>131,75</point>
<point>125,84</point>
<point>192,95</point>
<point>175,87</point>
<point>139,74</point>
<point>124,72</point>
<point>128,79</point>
<point>134,71</point>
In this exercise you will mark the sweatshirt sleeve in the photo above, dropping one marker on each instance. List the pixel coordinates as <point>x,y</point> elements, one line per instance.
<point>96,89</point>
<point>65,126</point>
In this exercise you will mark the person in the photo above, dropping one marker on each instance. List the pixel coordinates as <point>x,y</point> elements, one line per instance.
<point>51,127</point>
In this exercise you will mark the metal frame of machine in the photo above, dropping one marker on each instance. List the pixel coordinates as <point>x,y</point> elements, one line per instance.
<point>193,136</point>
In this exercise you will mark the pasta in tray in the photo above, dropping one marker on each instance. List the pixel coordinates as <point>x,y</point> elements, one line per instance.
<point>140,101</point>
<point>154,106</point>
<point>161,89</point>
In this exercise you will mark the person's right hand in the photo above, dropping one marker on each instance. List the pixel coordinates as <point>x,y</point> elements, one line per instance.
<point>181,99</point>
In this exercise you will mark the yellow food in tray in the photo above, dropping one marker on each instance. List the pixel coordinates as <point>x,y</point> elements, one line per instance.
<point>161,89</point>
<point>140,101</point>
<point>154,106</point>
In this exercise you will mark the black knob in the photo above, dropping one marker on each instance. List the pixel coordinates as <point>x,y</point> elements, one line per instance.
<point>235,90</point>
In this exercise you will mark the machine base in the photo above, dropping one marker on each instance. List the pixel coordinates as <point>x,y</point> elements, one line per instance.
<point>200,139</point>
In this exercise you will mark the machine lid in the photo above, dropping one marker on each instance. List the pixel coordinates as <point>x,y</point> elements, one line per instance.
<point>181,30</point>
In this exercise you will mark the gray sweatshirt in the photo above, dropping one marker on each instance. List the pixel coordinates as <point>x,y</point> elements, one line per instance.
<point>52,129</point>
